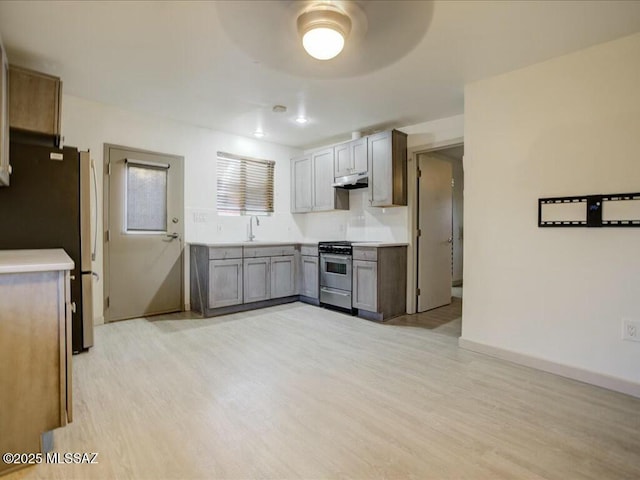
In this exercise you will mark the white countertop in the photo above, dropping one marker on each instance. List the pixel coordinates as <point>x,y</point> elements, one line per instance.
<point>46,260</point>
<point>378,244</point>
<point>247,244</point>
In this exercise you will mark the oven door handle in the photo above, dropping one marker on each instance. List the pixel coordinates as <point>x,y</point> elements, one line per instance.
<point>335,292</point>
<point>340,258</point>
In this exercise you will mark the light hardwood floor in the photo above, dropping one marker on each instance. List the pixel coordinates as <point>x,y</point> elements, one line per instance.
<point>296,391</point>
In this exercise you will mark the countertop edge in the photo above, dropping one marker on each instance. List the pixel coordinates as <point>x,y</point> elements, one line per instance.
<point>25,261</point>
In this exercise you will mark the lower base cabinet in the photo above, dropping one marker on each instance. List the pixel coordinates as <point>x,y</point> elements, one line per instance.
<point>257,280</point>
<point>365,285</point>
<point>283,276</point>
<point>309,276</point>
<point>35,350</point>
<point>225,282</point>
<point>233,278</point>
<point>380,282</point>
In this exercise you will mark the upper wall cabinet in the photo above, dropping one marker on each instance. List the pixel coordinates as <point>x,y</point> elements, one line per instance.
<point>387,157</point>
<point>311,180</point>
<point>350,158</point>
<point>301,178</point>
<point>5,169</point>
<point>34,101</point>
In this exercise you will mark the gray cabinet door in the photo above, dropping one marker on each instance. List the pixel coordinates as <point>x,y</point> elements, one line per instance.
<point>358,154</point>
<point>380,171</point>
<point>365,285</point>
<point>323,192</point>
<point>301,193</point>
<point>257,280</point>
<point>342,164</point>
<point>283,276</point>
<point>225,282</point>
<point>309,271</point>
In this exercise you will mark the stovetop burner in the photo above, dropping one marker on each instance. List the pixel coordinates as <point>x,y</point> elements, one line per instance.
<point>342,247</point>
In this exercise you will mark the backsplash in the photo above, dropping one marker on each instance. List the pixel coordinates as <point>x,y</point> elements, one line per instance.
<point>360,222</point>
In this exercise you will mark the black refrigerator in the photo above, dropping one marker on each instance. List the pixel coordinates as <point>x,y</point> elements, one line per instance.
<point>48,205</point>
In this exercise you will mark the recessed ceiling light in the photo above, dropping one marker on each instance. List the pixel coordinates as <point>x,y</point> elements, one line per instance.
<point>302,119</point>
<point>258,134</point>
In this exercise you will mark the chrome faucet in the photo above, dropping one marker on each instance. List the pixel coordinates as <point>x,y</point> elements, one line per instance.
<point>251,235</point>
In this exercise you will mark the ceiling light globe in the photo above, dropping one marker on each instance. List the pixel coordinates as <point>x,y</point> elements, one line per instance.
<point>323,43</point>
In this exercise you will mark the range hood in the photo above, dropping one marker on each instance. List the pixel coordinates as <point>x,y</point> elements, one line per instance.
<point>350,182</point>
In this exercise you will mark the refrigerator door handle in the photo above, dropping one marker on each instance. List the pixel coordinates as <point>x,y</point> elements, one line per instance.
<point>95,212</point>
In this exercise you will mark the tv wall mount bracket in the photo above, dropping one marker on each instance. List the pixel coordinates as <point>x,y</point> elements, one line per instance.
<point>623,211</point>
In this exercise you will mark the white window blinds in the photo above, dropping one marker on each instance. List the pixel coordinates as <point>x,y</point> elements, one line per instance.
<point>245,185</point>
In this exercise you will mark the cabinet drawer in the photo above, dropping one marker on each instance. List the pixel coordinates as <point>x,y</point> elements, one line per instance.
<point>222,253</point>
<point>311,250</point>
<point>365,253</point>
<point>269,251</point>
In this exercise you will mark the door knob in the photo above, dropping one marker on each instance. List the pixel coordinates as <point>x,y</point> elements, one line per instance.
<point>450,240</point>
<point>172,235</point>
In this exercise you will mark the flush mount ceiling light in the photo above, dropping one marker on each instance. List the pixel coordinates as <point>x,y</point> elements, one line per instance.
<point>323,30</point>
<point>258,134</point>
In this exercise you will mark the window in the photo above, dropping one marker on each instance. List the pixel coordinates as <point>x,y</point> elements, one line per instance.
<point>146,197</point>
<point>245,185</point>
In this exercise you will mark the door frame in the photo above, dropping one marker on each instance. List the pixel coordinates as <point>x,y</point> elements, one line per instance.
<point>105,223</point>
<point>412,207</point>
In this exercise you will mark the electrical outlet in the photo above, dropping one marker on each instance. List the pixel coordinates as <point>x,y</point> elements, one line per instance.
<point>199,217</point>
<point>631,330</point>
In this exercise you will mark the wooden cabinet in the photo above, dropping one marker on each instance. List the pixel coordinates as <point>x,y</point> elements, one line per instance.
<point>257,279</point>
<point>311,180</point>
<point>380,281</point>
<point>225,282</point>
<point>237,277</point>
<point>301,181</point>
<point>387,158</point>
<point>35,348</point>
<point>309,276</point>
<point>5,169</point>
<point>350,158</point>
<point>34,101</point>
<point>365,285</point>
<point>283,276</point>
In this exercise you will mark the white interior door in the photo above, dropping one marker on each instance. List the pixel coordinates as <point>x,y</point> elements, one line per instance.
<point>144,239</point>
<point>435,223</point>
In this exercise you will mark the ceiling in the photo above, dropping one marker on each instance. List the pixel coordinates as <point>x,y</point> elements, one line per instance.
<point>224,65</point>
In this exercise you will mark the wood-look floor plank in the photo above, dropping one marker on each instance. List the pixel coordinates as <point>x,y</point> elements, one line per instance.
<point>296,391</point>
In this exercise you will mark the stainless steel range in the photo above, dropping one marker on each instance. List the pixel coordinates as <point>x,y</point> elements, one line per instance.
<point>335,273</point>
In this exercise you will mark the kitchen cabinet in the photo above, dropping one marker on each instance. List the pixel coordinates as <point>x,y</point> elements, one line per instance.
<point>5,168</point>
<point>225,282</point>
<point>387,158</point>
<point>351,158</point>
<point>35,349</point>
<point>283,276</point>
<point>257,279</point>
<point>226,278</point>
<point>380,281</point>
<point>34,101</point>
<point>310,274</point>
<point>365,285</point>
<point>311,180</point>
<point>301,181</point>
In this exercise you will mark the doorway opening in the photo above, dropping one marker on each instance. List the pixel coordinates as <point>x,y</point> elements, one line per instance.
<point>439,240</point>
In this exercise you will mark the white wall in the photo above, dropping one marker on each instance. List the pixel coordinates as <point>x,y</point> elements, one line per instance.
<point>568,126</point>
<point>89,125</point>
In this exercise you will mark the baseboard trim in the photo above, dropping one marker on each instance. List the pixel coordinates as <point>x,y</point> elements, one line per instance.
<point>575,373</point>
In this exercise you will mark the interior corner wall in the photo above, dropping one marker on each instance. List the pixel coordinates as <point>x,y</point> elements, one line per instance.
<point>567,126</point>
<point>89,125</point>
